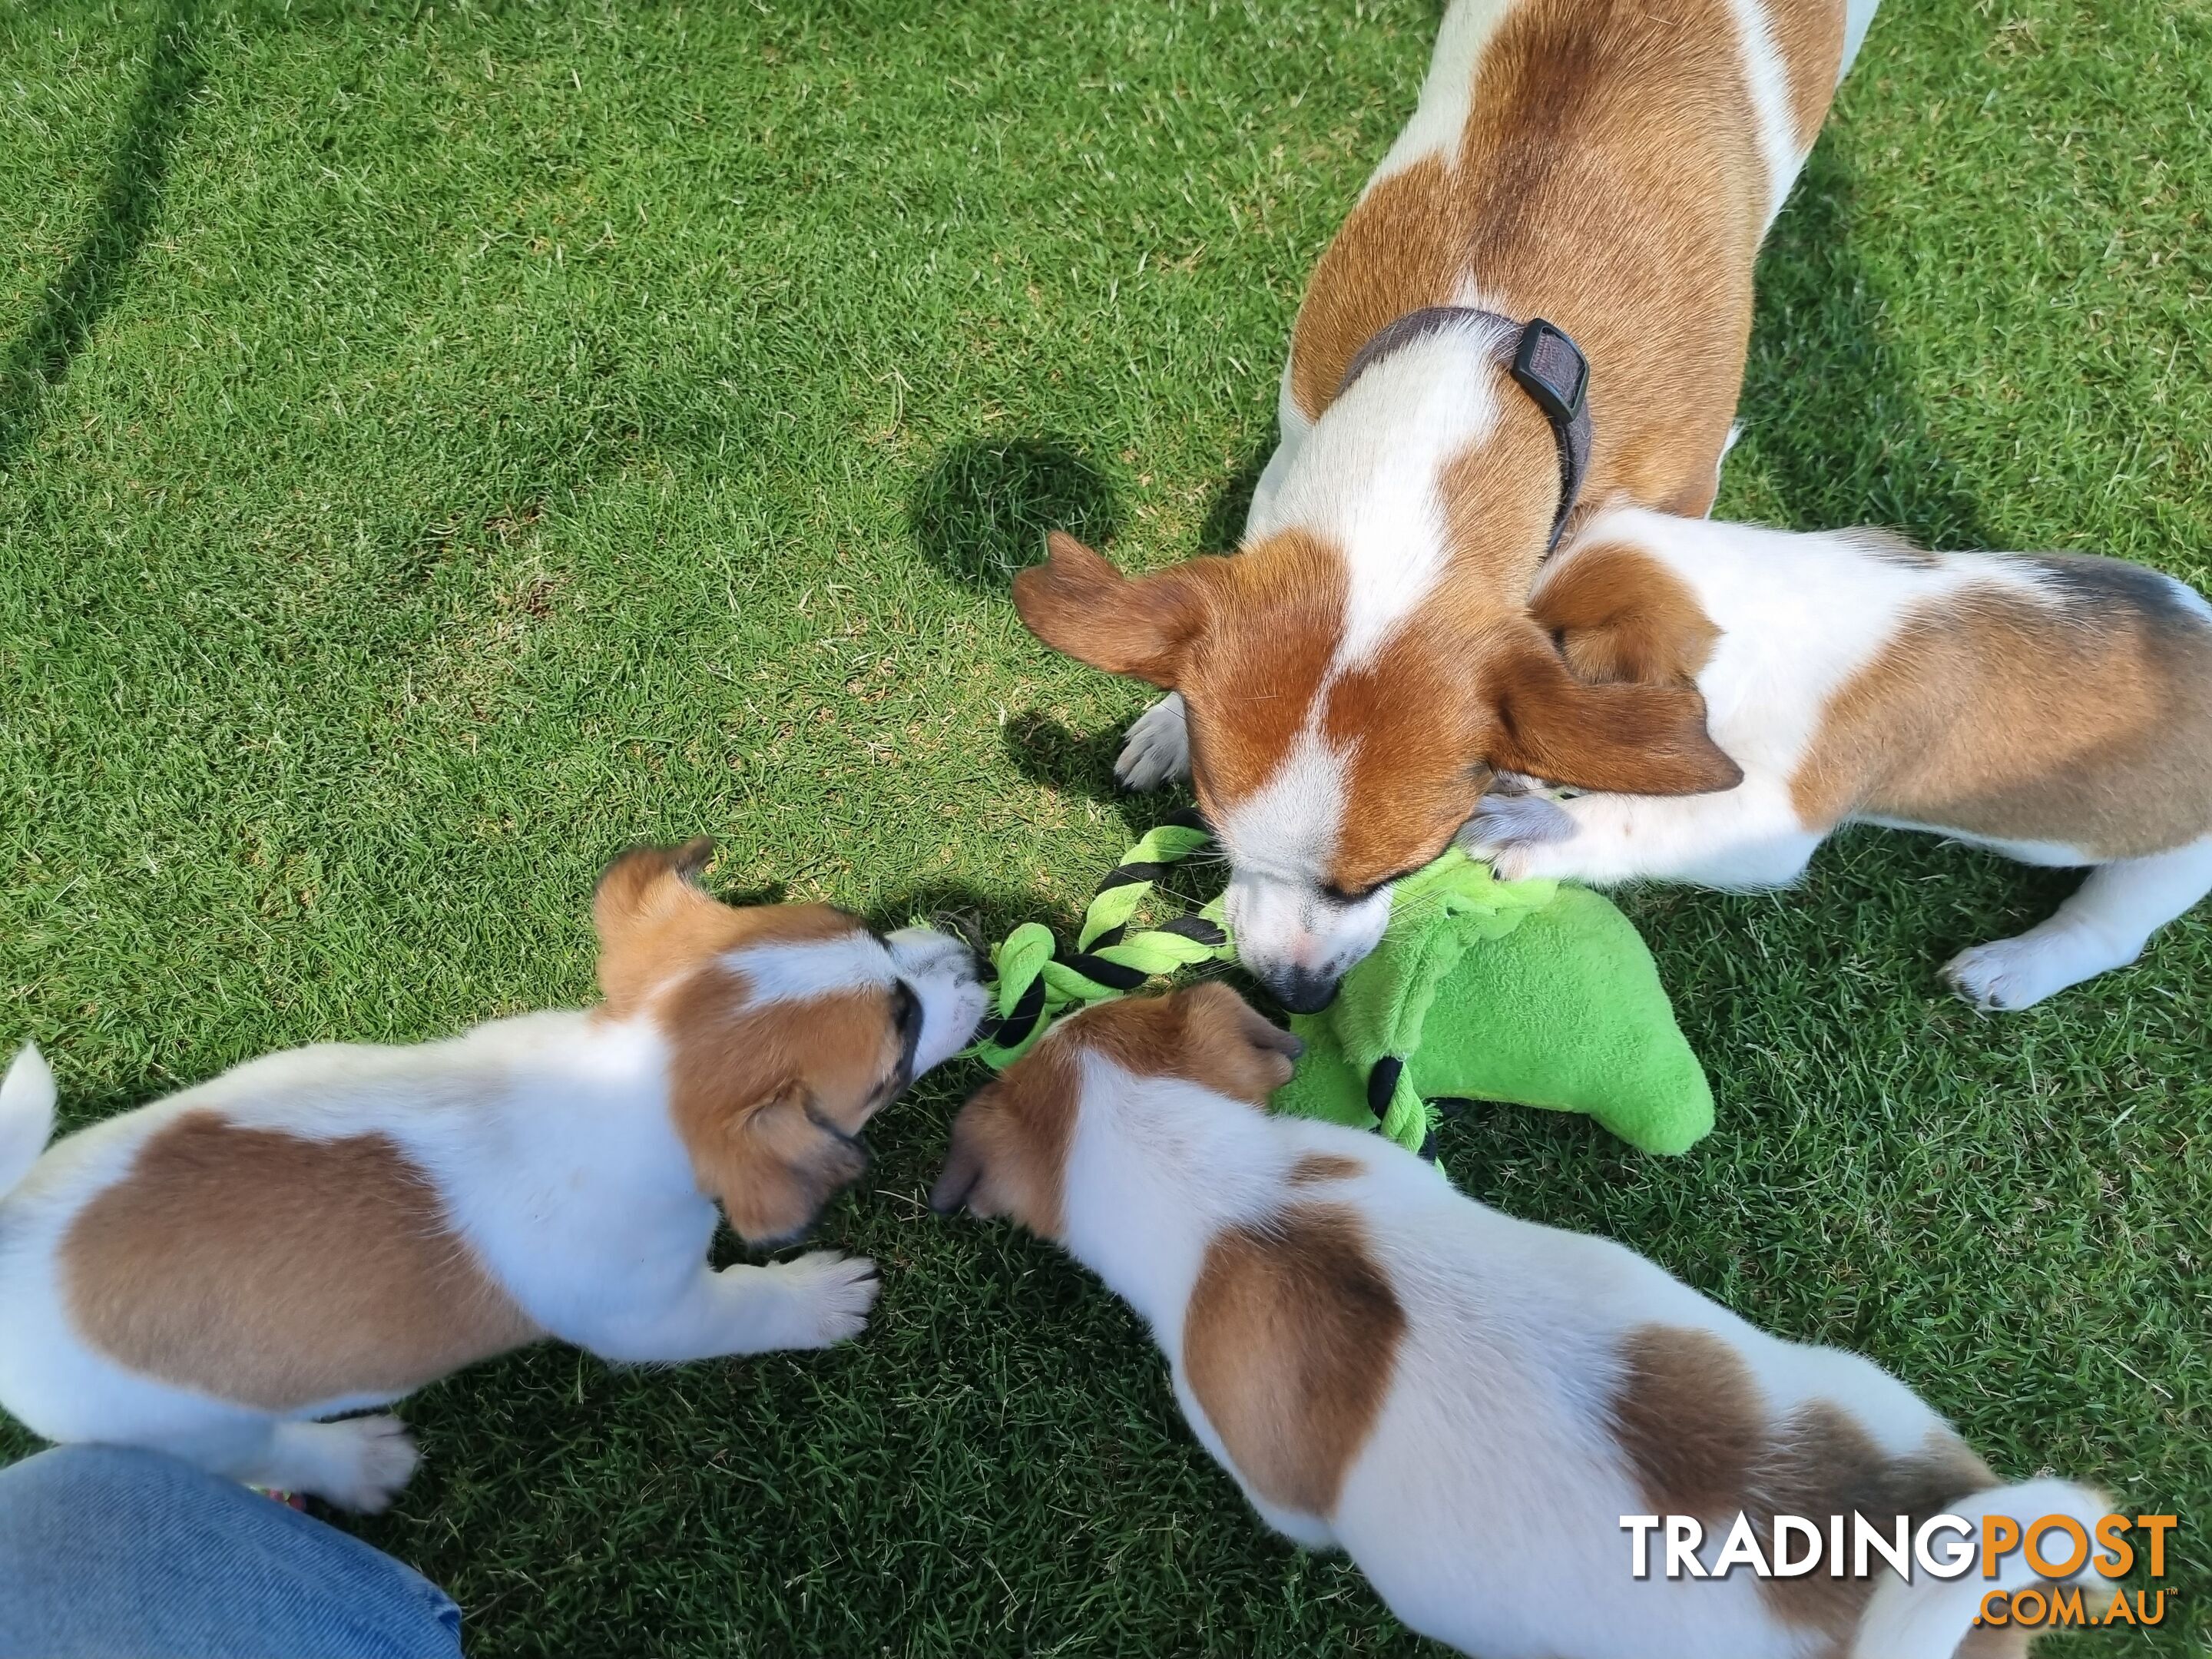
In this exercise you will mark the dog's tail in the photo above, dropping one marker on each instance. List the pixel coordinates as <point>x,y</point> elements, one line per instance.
<point>26,1116</point>
<point>1929,1617</point>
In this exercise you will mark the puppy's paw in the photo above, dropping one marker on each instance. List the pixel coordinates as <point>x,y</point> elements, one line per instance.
<point>1158,749</point>
<point>2009,973</point>
<point>364,1461</point>
<point>1511,832</point>
<point>829,1294</point>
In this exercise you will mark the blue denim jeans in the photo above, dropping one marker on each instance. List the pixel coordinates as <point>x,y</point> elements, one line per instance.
<point>107,1553</point>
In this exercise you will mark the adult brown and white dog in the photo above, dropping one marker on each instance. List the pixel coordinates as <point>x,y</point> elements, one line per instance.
<point>2053,708</point>
<point>1467,1404</point>
<point>330,1228</point>
<point>1341,689</point>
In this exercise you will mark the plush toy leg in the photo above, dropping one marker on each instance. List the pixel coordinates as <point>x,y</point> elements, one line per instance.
<point>1748,836</point>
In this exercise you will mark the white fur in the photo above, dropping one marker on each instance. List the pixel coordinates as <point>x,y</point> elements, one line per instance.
<point>797,973</point>
<point>1766,79</point>
<point>1446,99</point>
<point>1485,1506</point>
<point>26,1115</point>
<point>1858,17</point>
<point>548,1140</point>
<point>1924,1620</point>
<point>1157,750</point>
<point>1366,478</point>
<point>1799,617</point>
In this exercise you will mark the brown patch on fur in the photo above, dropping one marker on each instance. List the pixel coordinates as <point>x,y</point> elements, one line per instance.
<point>1319,1168</point>
<point>1290,1344</point>
<point>1009,1153</point>
<point>277,1271</point>
<point>2084,720</point>
<point>1627,739</point>
<point>1620,615</point>
<point>769,1101</point>
<point>1820,1462</point>
<point>1444,704</point>
<point>1417,731</point>
<point>656,924</point>
<point>1204,1034</point>
<point>1688,1418</point>
<point>1500,496</point>
<point>1276,615</point>
<point>1689,1421</point>
<point>1609,178</point>
<point>1809,35</point>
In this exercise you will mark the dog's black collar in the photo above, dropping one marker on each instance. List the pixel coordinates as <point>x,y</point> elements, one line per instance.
<point>1543,362</point>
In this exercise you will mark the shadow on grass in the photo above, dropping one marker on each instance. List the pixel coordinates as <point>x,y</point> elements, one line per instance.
<point>980,915</point>
<point>981,512</point>
<point>1045,751</point>
<point>1829,407</point>
<point>90,281</point>
<point>1223,526</point>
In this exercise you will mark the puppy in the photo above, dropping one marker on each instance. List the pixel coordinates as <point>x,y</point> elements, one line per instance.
<point>2055,709</point>
<point>1467,1404</point>
<point>330,1228</point>
<point>1343,688</point>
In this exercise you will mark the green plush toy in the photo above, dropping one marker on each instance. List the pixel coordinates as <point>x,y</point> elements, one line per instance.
<point>1532,992</point>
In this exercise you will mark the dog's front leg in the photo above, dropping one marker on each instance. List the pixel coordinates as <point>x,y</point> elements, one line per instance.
<point>1746,837</point>
<point>1158,748</point>
<point>817,1300</point>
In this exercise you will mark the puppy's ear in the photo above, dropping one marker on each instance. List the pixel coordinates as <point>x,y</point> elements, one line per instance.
<point>1010,1143</point>
<point>1623,739</point>
<point>1082,606</point>
<point>961,1177</point>
<point>775,1164</point>
<point>641,909</point>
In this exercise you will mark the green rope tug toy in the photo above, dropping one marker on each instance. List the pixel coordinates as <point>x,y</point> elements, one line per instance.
<point>1535,993</point>
<point>1037,985</point>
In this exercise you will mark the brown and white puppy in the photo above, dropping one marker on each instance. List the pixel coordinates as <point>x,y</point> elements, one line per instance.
<point>1343,687</point>
<point>332,1227</point>
<point>2054,708</point>
<point>1468,1405</point>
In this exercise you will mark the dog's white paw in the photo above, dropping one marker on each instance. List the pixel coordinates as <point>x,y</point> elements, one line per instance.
<point>1514,831</point>
<point>2007,974</point>
<point>830,1296</point>
<point>1158,748</point>
<point>358,1463</point>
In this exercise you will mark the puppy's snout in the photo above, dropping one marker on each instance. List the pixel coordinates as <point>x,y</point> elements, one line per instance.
<point>1303,990</point>
<point>945,974</point>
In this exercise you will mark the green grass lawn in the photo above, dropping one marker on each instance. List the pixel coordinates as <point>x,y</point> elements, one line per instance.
<point>441,444</point>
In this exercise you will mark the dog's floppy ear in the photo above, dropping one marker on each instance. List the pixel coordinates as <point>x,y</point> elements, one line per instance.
<point>773,1164</point>
<point>963,1169</point>
<point>645,909</point>
<point>1082,606</point>
<point>1623,739</point>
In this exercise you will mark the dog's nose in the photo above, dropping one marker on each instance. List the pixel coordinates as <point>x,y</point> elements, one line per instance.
<point>1303,990</point>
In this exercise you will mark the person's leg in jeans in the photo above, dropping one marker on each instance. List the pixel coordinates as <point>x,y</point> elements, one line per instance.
<point>106,1551</point>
